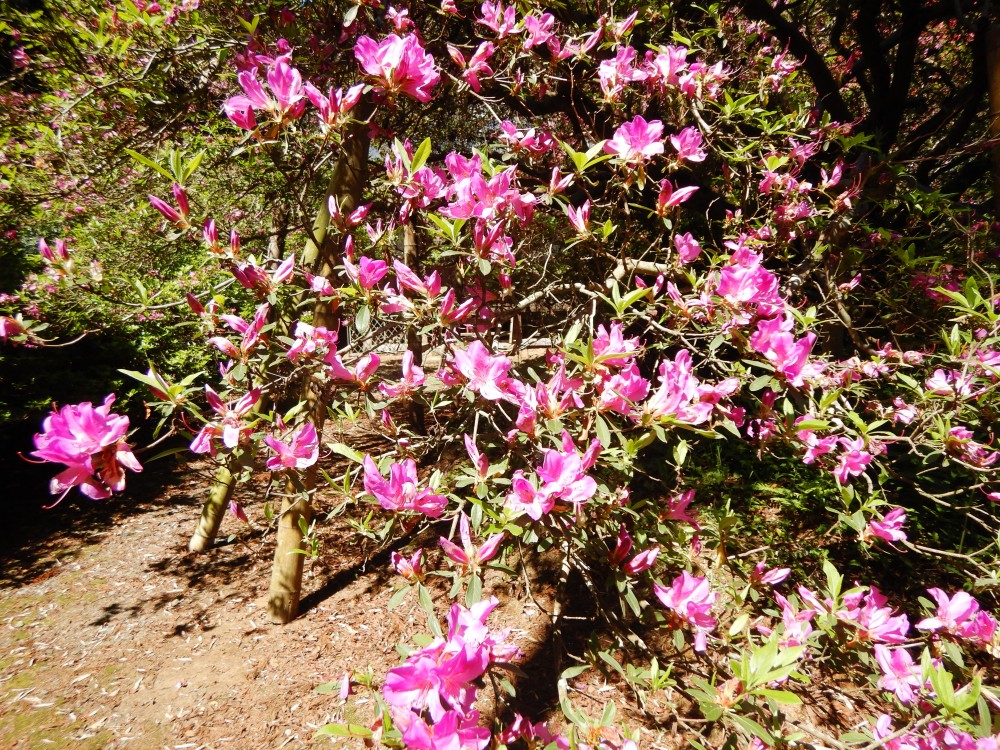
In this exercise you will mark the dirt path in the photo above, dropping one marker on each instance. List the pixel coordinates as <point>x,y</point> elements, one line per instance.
<point>113,636</point>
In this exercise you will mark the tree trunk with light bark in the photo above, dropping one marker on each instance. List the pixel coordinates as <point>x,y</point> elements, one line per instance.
<point>322,254</point>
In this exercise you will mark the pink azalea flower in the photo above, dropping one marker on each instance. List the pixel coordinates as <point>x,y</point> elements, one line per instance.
<point>760,575</point>
<point>285,83</point>
<point>687,246</point>
<point>665,67</point>
<point>677,509</point>
<point>483,373</point>
<point>311,341</point>
<point>615,74</point>
<point>401,65</point>
<point>564,477</point>
<point>538,29</point>
<point>890,528</point>
<point>688,144</point>
<point>237,510</point>
<point>452,731</point>
<point>873,620</point>
<point>852,461</point>
<point>413,378</point>
<point>400,492</point>
<point>623,545</point>
<point>501,20</point>
<point>678,391</point>
<point>903,412</point>
<point>524,497</point>
<point>363,370</point>
<point>11,327</point>
<point>612,349</point>
<point>479,460</point>
<point>642,561</point>
<point>399,18</point>
<point>367,274</point>
<point>409,567</point>
<point>301,452</point>
<point>668,197</point>
<point>558,182</point>
<point>90,442</point>
<point>478,65</point>
<point>637,141</point>
<point>231,427</point>
<point>691,599</point>
<point>334,106</point>
<point>621,391</point>
<point>429,287</point>
<point>959,442</point>
<point>580,218</point>
<point>534,735</point>
<point>450,313</point>
<point>815,447</point>
<point>60,253</point>
<point>899,674</point>
<point>169,212</point>
<point>961,616</point>
<point>797,624</point>
<point>745,281</point>
<point>250,333</point>
<point>468,555</point>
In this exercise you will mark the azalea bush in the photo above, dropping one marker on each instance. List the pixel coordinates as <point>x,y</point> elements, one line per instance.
<point>714,266</point>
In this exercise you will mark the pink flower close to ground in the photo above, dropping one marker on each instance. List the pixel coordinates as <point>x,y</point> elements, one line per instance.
<point>961,616</point>
<point>401,64</point>
<point>301,452</point>
<point>677,396</point>
<point>400,492</point>
<point>691,599</point>
<point>899,674</point>
<point>90,442</point>
<point>469,555</point>
<point>230,428</point>
<point>484,373</point>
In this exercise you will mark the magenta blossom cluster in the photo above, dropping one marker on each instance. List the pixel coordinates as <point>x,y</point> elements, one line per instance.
<point>431,695</point>
<point>400,64</point>
<point>400,492</point>
<point>90,442</point>
<point>690,599</point>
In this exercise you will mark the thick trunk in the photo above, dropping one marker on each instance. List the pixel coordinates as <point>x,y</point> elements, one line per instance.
<point>321,254</point>
<point>213,511</point>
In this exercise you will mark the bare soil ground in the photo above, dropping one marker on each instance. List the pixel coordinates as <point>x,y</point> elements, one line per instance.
<point>113,635</point>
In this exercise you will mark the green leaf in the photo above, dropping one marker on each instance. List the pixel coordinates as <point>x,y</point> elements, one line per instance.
<point>602,430</point>
<point>427,605</point>
<point>192,165</point>
<point>474,594</point>
<point>149,163</point>
<point>398,597</point>
<point>344,730</point>
<point>780,696</point>
<point>420,155</point>
<point>612,662</point>
<point>347,452</point>
<point>362,320</point>
<point>631,298</point>
<point>751,727</point>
